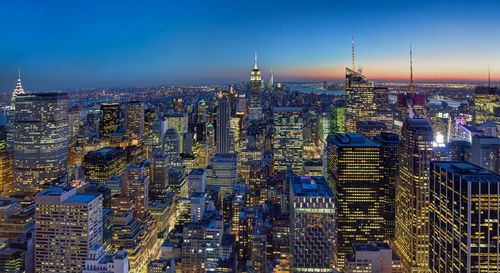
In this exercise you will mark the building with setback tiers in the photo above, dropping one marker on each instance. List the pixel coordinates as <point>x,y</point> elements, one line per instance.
<point>464,210</point>
<point>360,99</point>
<point>288,139</point>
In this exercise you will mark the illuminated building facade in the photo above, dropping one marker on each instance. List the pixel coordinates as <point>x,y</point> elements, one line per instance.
<point>171,145</point>
<point>288,139</point>
<point>486,99</point>
<point>40,140</point>
<point>464,210</point>
<point>68,225</point>
<point>486,152</point>
<point>412,195</point>
<point>159,176</point>
<point>11,125</point>
<point>109,119</point>
<point>100,165</point>
<point>377,257</point>
<point>223,124</point>
<point>135,184</point>
<point>337,123</point>
<point>312,224</point>
<point>6,172</point>
<point>356,176</point>
<point>179,122</point>
<point>134,119</point>
<point>255,91</point>
<point>223,172</point>
<point>371,128</point>
<point>360,99</point>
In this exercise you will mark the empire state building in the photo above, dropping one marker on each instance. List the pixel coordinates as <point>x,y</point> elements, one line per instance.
<point>255,92</point>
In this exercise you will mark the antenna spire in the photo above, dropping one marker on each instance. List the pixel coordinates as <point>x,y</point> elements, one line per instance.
<point>353,66</point>
<point>412,84</point>
<point>19,72</point>
<point>489,76</point>
<point>255,62</point>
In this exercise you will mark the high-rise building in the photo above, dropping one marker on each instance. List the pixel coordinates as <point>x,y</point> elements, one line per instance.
<point>376,257</point>
<point>412,195</point>
<point>160,166</point>
<point>134,119</point>
<point>485,99</point>
<point>360,99</point>
<point>223,124</point>
<point>464,210</point>
<point>337,123</point>
<point>11,124</point>
<point>288,139</point>
<point>255,86</point>
<point>390,158</point>
<point>162,266</point>
<point>68,224</point>
<point>100,165</point>
<point>40,140</point>
<point>486,152</point>
<point>197,180</point>
<point>6,172</point>
<point>179,122</point>
<point>312,224</point>
<point>223,172</point>
<point>135,184</point>
<point>371,128</point>
<point>171,145</point>
<point>109,119</point>
<point>356,176</point>
<point>201,245</point>
<point>98,261</point>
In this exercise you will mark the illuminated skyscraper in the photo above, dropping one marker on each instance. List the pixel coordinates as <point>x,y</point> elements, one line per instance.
<point>255,92</point>
<point>390,157</point>
<point>485,101</point>
<point>412,195</point>
<point>134,119</point>
<point>68,225</point>
<point>100,165</point>
<point>40,140</point>
<point>312,225</point>
<point>171,145</point>
<point>486,152</point>
<point>356,176</point>
<point>288,139</point>
<point>464,213</point>
<point>337,123</point>
<point>360,99</point>
<point>223,122</point>
<point>11,126</point>
<point>135,184</point>
<point>159,176</point>
<point>109,119</point>
<point>179,122</point>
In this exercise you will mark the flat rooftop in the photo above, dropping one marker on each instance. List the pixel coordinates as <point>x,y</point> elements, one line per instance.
<point>352,140</point>
<point>468,171</point>
<point>311,186</point>
<point>82,198</point>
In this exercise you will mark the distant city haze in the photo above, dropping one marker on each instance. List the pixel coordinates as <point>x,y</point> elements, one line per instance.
<point>61,44</point>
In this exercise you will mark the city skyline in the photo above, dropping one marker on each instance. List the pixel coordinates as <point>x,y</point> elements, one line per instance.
<point>62,46</point>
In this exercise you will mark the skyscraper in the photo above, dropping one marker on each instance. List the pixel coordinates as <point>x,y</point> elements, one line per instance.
<point>109,119</point>
<point>255,111</point>
<point>486,152</point>
<point>356,176</point>
<point>40,140</point>
<point>464,213</point>
<point>312,205</point>
<point>68,225</point>
<point>337,124</point>
<point>11,126</point>
<point>288,139</point>
<point>360,99</point>
<point>223,123</point>
<point>100,165</point>
<point>134,119</point>
<point>390,158</point>
<point>412,195</point>
<point>159,176</point>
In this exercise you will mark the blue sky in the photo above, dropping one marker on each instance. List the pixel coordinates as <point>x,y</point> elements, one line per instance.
<point>78,44</point>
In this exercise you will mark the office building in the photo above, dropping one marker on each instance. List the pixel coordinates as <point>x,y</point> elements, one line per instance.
<point>312,224</point>
<point>356,176</point>
<point>68,224</point>
<point>161,266</point>
<point>171,145</point>
<point>255,111</point>
<point>179,122</point>
<point>100,165</point>
<point>464,210</point>
<point>134,119</point>
<point>412,195</point>
<point>135,184</point>
<point>159,176</point>
<point>486,152</point>
<point>390,159</point>
<point>197,180</point>
<point>288,139</point>
<point>376,257</point>
<point>360,99</point>
<point>98,261</point>
<point>222,136</point>
<point>6,172</point>
<point>201,245</point>
<point>337,115</point>
<point>109,119</point>
<point>40,140</point>
<point>223,172</point>
<point>371,128</point>
<point>485,99</point>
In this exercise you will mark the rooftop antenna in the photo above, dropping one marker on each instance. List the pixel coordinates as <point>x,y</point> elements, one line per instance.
<point>353,66</point>
<point>255,62</point>
<point>412,84</point>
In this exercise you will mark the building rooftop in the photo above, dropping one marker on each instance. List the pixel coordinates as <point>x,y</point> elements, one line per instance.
<point>82,198</point>
<point>287,109</point>
<point>198,171</point>
<point>55,191</point>
<point>312,186</point>
<point>352,140</point>
<point>468,171</point>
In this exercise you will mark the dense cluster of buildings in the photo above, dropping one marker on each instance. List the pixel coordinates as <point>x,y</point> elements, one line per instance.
<point>255,178</point>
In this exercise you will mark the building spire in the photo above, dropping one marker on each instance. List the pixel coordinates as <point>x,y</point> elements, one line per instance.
<point>19,87</point>
<point>489,76</point>
<point>353,66</point>
<point>255,61</point>
<point>412,84</point>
